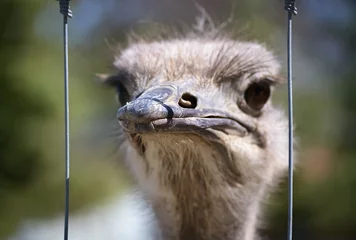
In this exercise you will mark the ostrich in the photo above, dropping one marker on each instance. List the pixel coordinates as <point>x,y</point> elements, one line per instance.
<point>201,136</point>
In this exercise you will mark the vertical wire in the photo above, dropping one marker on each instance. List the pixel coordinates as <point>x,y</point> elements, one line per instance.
<point>66,114</point>
<point>292,10</point>
<point>65,10</point>
<point>290,130</point>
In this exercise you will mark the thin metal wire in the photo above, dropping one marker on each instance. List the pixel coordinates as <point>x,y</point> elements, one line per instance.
<point>292,10</point>
<point>65,10</point>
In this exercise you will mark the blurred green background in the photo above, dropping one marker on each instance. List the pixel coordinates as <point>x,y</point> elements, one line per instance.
<point>31,107</point>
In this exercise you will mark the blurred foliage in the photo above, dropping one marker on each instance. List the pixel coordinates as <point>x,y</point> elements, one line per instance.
<point>31,125</point>
<point>31,90</point>
<point>19,162</point>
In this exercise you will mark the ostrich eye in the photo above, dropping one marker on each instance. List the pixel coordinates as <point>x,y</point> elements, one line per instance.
<point>122,94</point>
<point>257,94</point>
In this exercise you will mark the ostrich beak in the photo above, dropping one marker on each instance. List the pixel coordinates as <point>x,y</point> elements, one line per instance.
<point>166,109</point>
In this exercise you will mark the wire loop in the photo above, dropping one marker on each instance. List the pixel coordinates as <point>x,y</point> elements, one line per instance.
<point>290,7</point>
<point>64,8</point>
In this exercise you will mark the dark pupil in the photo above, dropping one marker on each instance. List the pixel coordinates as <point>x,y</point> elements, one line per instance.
<point>257,95</point>
<point>260,93</point>
<point>123,95</point>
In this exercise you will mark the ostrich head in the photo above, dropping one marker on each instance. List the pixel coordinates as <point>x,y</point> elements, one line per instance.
<point>201,136</point>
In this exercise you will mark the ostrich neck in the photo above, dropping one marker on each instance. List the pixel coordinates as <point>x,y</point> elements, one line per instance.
<point>195,199</point>
<point>193,216</point>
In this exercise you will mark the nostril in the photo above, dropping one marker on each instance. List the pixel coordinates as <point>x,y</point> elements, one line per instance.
<point>188,101</point>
